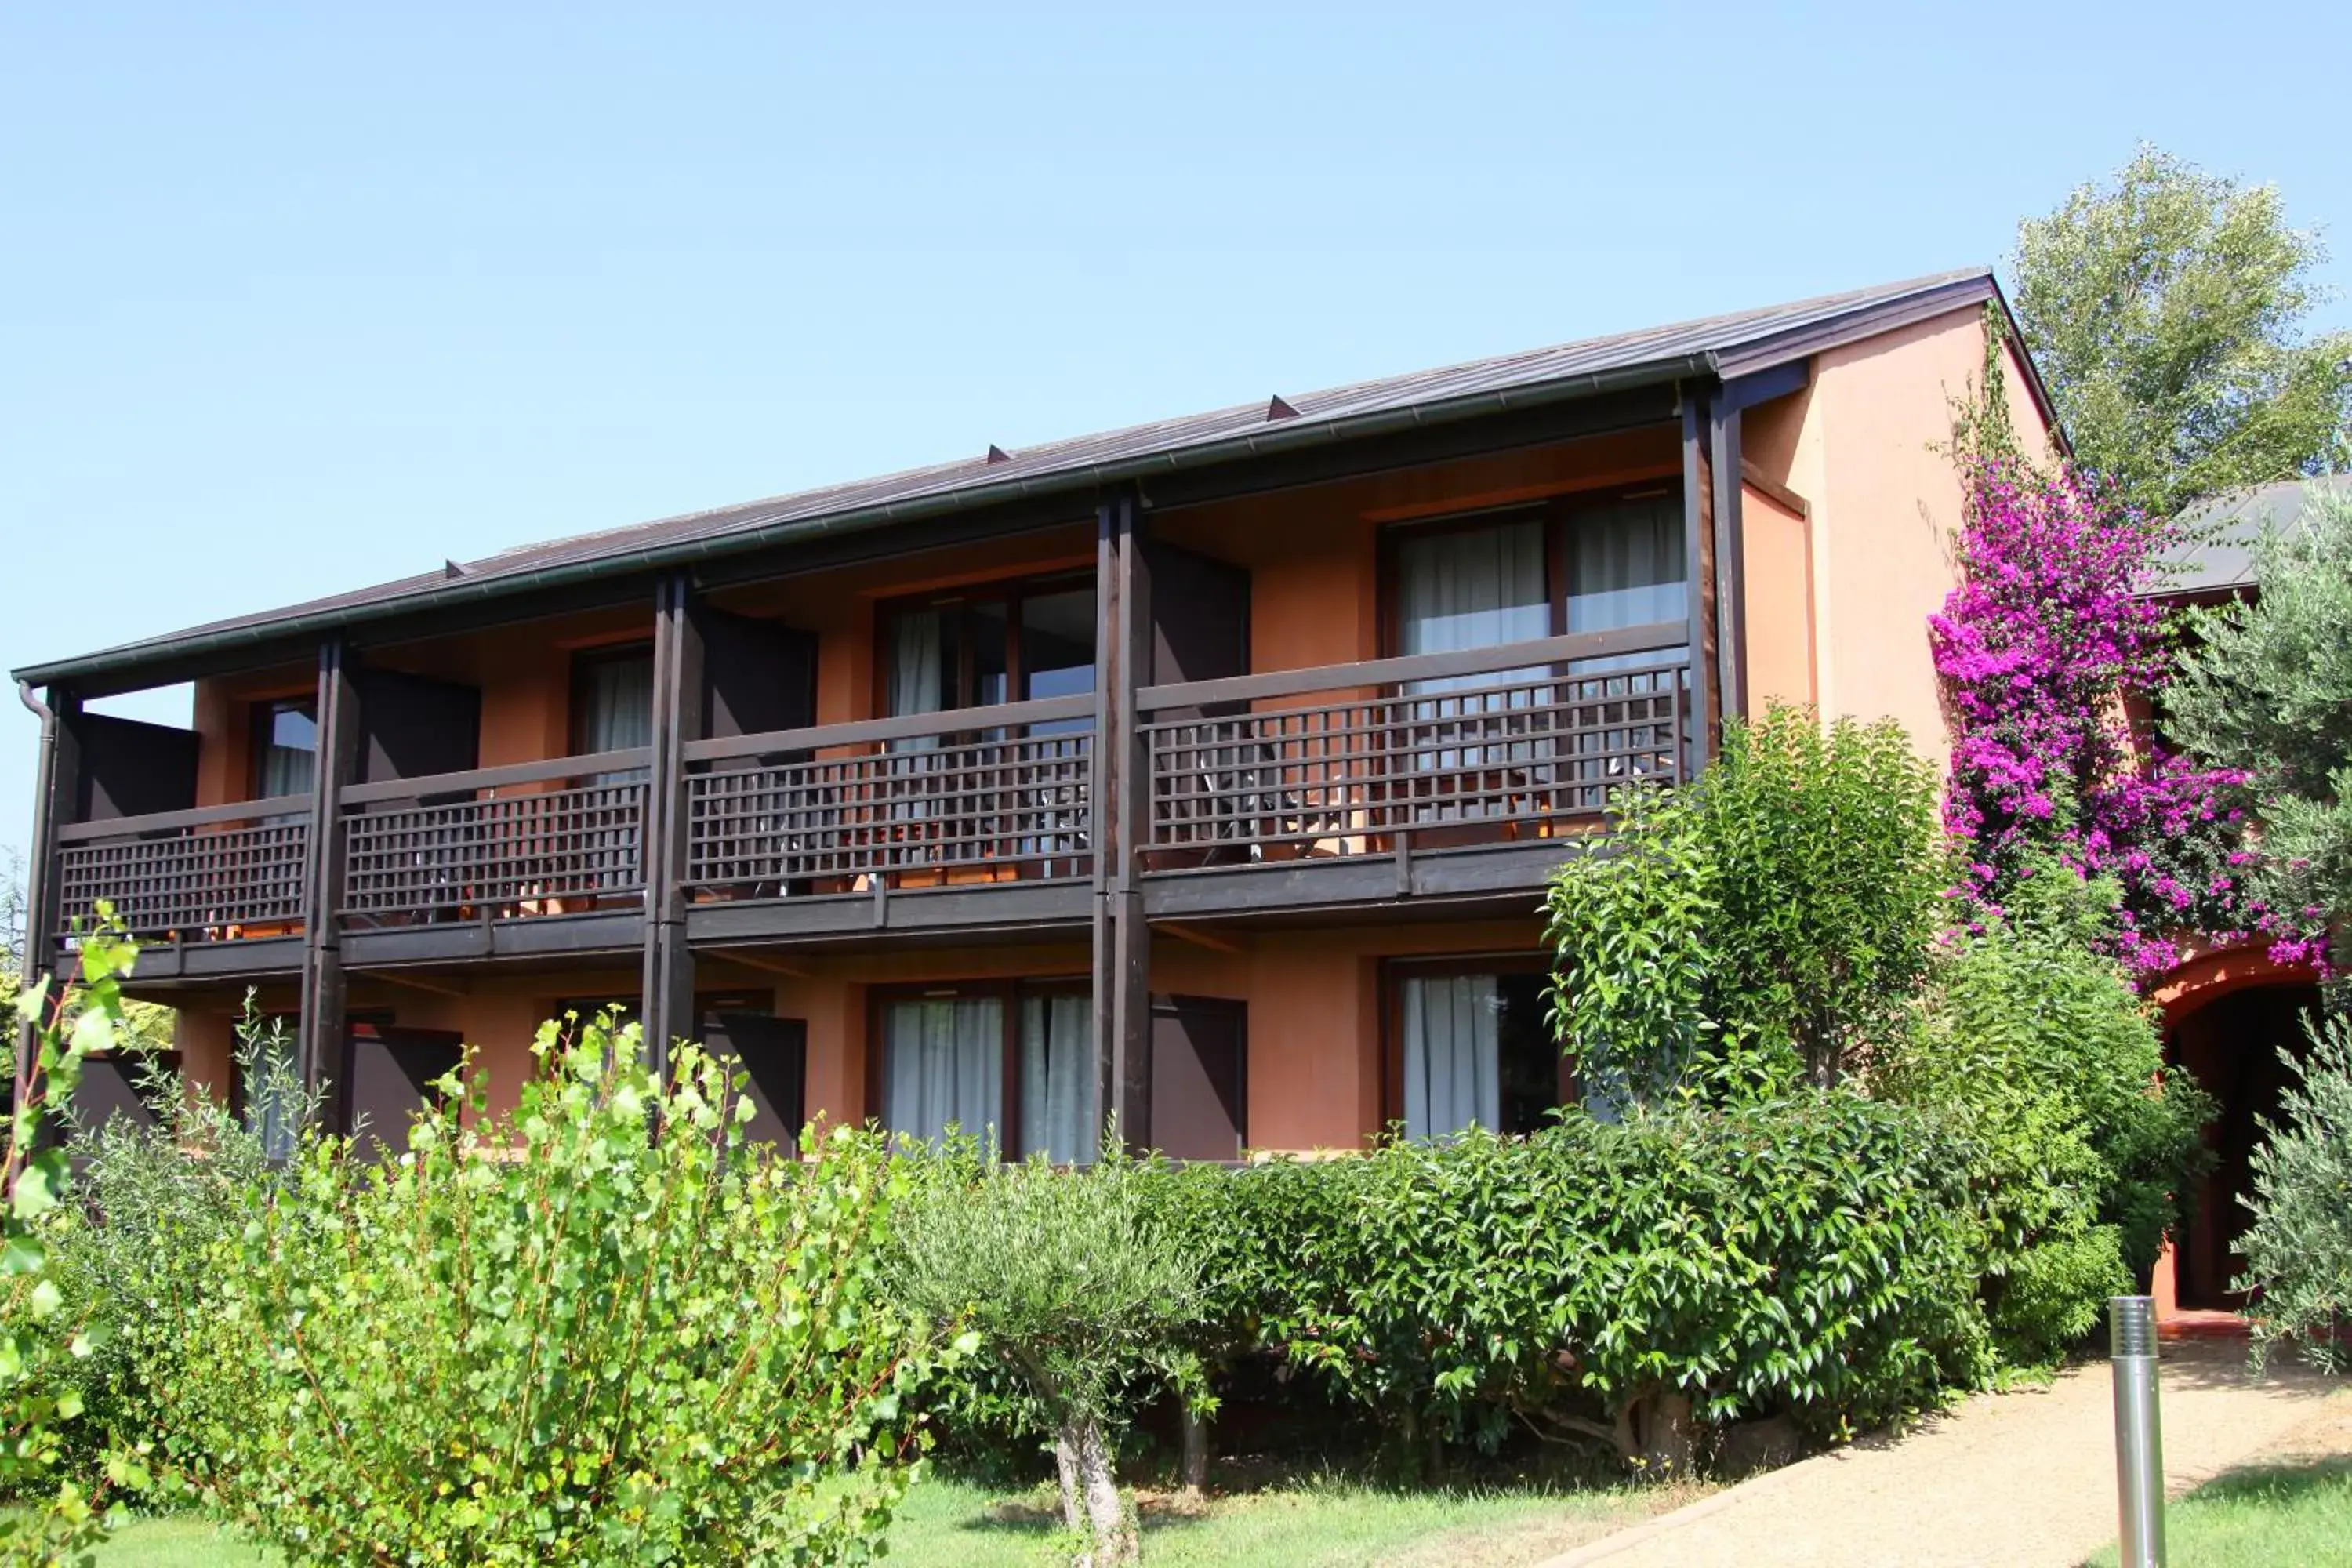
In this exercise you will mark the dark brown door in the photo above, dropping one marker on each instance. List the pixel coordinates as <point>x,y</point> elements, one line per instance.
<point>772,1052</point>
<point>387,1080</point>
<point>1200,1059</point>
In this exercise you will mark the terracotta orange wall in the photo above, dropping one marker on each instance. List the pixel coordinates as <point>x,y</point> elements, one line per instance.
<point>1861,444</point>
<point>1778,628</point>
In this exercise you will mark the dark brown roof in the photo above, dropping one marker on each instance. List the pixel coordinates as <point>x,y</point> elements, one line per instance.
<point>1724,345</point>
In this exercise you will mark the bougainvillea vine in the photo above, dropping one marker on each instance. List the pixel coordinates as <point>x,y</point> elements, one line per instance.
<point>2045,650</point>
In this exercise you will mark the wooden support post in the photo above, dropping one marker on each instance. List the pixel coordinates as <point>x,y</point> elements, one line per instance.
<point>318,1047</point>
<point>1730,561</point>
<point>56,791</point>
<point>1698,550</point>
<point>1122,798</point>
<point>678,718</point>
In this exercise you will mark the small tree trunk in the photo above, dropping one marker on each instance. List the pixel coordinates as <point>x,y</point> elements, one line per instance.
<point>1115,1544</point>
<point>1192,1467</point>
<point>1065,1470</point>
<point>1668,1444</point>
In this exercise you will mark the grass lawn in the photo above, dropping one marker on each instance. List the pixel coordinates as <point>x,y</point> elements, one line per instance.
<point>2282,1516</point>
<point>1319,1524</point>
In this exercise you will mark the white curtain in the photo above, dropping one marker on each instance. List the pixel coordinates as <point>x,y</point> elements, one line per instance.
<point>1472,587</point>
<point>1452,1055</point>
<point>289,751</point>
<point>620,714</point>
<point>1625,568</point>
<point>915,664</point>
<point>269,1091</point>
<point>943,1061</point>
<point>1057,1079</point>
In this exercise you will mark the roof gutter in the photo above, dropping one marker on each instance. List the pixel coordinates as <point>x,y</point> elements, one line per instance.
<point>1290,436</point>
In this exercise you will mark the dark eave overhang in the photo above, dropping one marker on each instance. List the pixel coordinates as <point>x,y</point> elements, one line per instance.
<point>268,640</point>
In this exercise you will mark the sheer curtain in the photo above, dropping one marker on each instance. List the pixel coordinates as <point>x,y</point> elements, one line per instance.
<point>289,751</point>
<point>943,1061</point>
<point>1057,1079</point>
<point>1626,567</point>
<point>1470,588</point>
<point>1452,1054</point>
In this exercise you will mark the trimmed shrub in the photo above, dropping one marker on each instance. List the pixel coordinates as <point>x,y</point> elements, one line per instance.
<point>604,1330</point>
<point>2036,1052</point>
<point>1627,1284</point>
<point>2299,1249</point>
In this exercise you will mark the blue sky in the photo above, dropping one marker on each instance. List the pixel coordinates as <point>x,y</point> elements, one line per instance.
<point>303,298</point>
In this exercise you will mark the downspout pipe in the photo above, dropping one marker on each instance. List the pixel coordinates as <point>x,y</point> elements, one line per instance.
<point>36,878</point>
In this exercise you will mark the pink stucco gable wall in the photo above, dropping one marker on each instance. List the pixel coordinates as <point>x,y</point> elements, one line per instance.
<point>1864,445</point>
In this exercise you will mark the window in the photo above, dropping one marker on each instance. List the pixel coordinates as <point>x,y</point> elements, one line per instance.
<point>612,702</point>
<point>1470,1044</point>
<point>285,747</point>
<point>1015,1064</point>
<point>990,646</point>
<point>1582,564</point>
<point>1569,732</point>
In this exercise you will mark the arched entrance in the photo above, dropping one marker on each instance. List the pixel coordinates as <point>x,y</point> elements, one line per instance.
<point>2227,1015</point>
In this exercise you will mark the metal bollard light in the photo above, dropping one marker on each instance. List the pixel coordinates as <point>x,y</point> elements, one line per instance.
<point>2139,1435</point>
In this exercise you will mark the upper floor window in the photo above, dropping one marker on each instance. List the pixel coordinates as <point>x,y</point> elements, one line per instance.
<point>612,700</point>
<point>1581,563</point>
<point>285,747</point>
<point>986,646</point>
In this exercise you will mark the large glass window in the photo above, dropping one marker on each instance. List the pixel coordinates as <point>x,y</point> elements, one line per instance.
<point>990,646</point>
<point>612,701</point>
<point>269,1088</point>
<point>1472,1048</point>
<point>1014,1063</point>
<point>285,747</point>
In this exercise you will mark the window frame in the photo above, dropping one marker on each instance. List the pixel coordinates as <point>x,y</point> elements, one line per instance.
<point>1556,514</point>
<point>261,720</point>
<point>1008,592</point>
<point>1395,971</point>
<point>1009,995</point>
<point>585,662</point>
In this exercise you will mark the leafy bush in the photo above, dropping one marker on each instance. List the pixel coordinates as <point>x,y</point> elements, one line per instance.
<point>2298,1250</point>
<point>1770,923</point>
<point>604,1330</point>
<point>1073,1285</point>
<point>2036,1052</point>
<point>138,1259</point>
<point>1606,1282</point>
<point>40,1342</point>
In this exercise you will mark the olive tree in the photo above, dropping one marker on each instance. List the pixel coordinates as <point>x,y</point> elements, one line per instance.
<point>1069,1283</point>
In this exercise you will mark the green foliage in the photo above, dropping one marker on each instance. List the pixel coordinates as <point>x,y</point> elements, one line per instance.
<point>2298,1250</point>
<point>40,1343</point>
<point>1597,1281</point>
<point>602,1331</point>
<point>1770,924</point>
<point>2037,1054</point>
<point>2267,689</point>
<point>138,1258</point>
<point>1071,1283</point>
<point>2165,310</point>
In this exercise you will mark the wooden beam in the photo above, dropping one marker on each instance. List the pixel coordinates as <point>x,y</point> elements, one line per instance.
<point>1198,937</point>
<point>668,977</point>
<point>409,982</point>
<point>1729,563</point>
<point>56,790</point>
<point>750,960</point>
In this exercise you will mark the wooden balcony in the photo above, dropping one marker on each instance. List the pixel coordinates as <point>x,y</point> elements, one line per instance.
<point>220,888</point>
<point>1394,784</point>
<point>980,816</point>
<point>1451,775</point>
<point>510,862</point>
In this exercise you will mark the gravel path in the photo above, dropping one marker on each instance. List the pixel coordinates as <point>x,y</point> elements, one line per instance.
<point>2021,1480</point>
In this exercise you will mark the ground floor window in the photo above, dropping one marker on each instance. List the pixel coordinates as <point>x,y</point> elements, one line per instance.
<point>269,1088</point>
<point>1011,1064</point>
<point>1470,1044</point>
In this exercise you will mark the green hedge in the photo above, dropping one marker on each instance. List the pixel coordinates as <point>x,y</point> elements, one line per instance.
<point>1623,1282</point>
